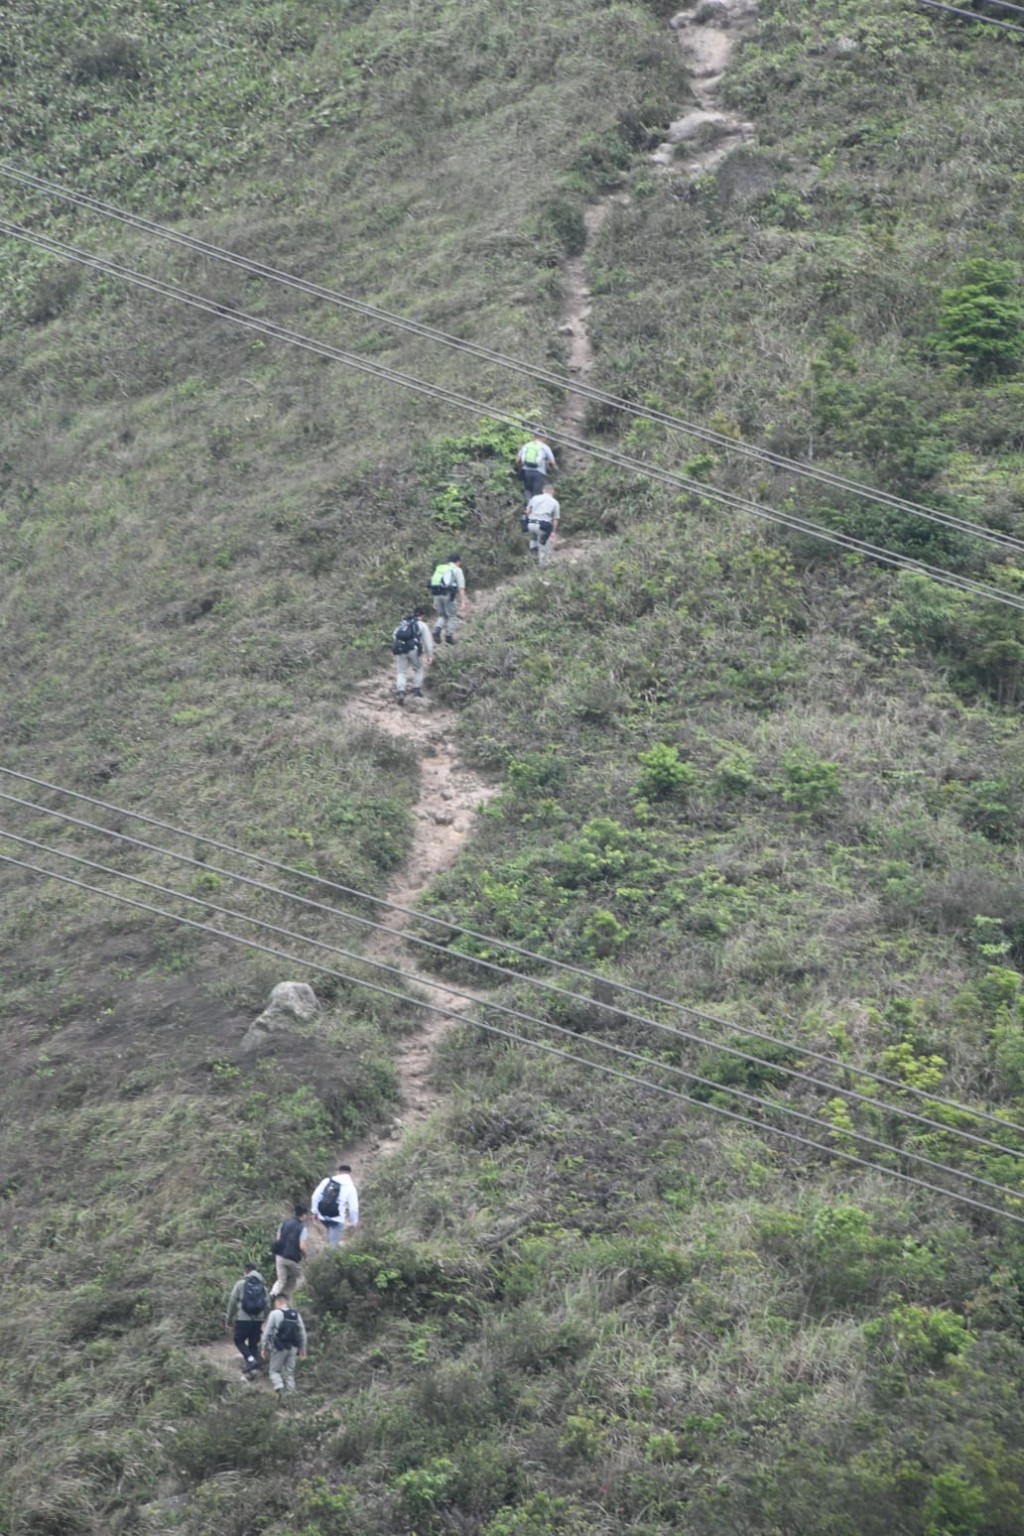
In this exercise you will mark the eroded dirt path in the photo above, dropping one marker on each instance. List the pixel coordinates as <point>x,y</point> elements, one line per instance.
<point>695,143</point>
<point>450,797</point>
<point>450,793</point>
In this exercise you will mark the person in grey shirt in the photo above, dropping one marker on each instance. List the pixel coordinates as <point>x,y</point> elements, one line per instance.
<point>247,1307</point>
<point>542,514</point>
<point>415,659</point>
<point>283,1342</point>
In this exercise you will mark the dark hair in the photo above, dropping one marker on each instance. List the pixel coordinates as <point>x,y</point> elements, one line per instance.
<point>454,559</point>
<point>344,1167</point>
<point>282,1297</point>
<point>249,1268</point>
<point>301,1210</point>
<point>417,613</point>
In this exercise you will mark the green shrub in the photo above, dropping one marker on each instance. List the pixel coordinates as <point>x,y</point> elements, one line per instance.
<point>808,785</point>
<point>665,773</point>
<point>981,322</point>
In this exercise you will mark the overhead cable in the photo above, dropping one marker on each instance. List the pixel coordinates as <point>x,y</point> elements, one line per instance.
<point>530,370</point>
<point>648,1083</point>
<point>492,942</point>
<point>463,402</point>
<point>988,21</point>
<point>896,1111</point>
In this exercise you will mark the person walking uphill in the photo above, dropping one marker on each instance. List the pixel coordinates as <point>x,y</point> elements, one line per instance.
<point>283,1342</point>
<point>335,1204</point>
<point>534,461</point>
<point>413,647</point>
<point>542,514</point>
<point>247,1307</point>
<point>448,585</point>
<point>289,1250</point>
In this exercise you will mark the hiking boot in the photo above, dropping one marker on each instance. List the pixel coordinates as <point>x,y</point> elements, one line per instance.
<point>437,634</point>
<point>400,698</point>
<point>449,640</point>
<point>417,693</point>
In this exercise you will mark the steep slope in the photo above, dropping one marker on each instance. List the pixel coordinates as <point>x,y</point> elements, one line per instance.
<point>723,765</point>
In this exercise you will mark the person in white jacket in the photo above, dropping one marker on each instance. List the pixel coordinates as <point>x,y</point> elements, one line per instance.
<point>335,1204</point>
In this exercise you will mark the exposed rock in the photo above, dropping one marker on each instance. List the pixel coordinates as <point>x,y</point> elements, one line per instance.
<point>716,13</point>
<point>290,1000</point>
<point>843,48</point>
<point>695,123</point>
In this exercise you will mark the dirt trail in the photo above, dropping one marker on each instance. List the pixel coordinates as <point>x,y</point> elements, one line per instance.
<point>450,793</point>
<point>711,133</point>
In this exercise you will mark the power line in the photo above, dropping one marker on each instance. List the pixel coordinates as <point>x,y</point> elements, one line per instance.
<point>643,1082</point>
<point>515,1013</point>
<point>896,1111</point>
<point>464,402</point>
<point>988,21</point>
<point>529,370</point>
<point>531,956</point>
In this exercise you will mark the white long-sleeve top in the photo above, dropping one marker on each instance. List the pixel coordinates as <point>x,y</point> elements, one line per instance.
<point>348,1199</point>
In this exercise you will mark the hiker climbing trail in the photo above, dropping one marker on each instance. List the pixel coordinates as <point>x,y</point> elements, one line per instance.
<point>450,793</point>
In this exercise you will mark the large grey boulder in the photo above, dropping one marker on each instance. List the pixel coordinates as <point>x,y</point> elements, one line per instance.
<point>290,1001</point>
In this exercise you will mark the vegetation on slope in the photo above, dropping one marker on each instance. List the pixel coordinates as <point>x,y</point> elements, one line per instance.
<point>787,782</point>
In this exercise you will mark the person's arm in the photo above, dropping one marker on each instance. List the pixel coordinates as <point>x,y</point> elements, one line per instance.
<point>352,1204</point>
<point>314,1204</point>
<point>303,1340</point>
<point>426,643</point>
<point>232,1312</point>
<point>302,1242</point>
<point>267,1336</point>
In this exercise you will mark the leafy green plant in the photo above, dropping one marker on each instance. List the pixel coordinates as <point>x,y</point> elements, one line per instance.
<point>664,772</point>
<point>981,322</point>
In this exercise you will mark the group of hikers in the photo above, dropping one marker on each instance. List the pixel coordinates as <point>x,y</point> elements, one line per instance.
<point>413,640</point>
<point>266,1327</point>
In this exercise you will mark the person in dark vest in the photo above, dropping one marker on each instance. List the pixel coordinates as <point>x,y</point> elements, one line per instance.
<point>247,1307</point>
<point>289,1251</point>
<point>283,1342</point>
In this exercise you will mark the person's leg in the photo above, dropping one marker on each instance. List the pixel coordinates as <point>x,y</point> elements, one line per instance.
<point>241,1340</point>
<point>543,547</point>
<point>451,617</point>
<point>247,1342</point>
<point>281,1283</point>
<point>278,1361</point>
<point>288,1369</point>
<point>334,1229</point>
<point>254,1330</point>
<point>401,673</point>
<point>295,1278</point>
<point>438,618</point>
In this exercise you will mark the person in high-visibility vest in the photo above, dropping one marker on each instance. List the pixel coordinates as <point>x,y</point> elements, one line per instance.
<point>448,587</point>
<point>534,461</point>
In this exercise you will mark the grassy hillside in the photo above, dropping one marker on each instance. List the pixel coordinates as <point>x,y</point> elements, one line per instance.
<point>737,768</point>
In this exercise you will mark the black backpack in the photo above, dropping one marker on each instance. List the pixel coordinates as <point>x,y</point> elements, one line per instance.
<point>407,637</point>
<point>288,1334</point>
<point>254,1296</point>
<point>329,1199</point>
